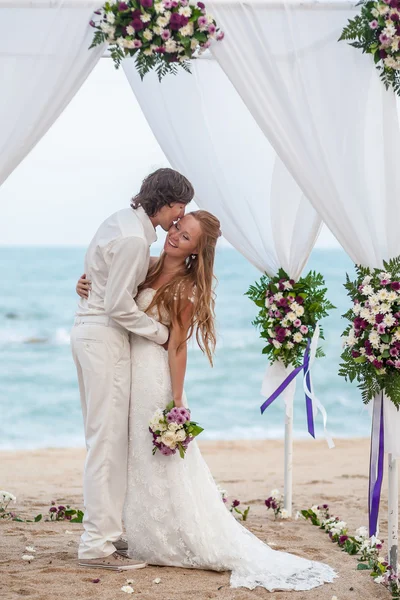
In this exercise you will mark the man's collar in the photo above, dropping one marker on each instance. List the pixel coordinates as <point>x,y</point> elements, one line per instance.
<point>148,227</point>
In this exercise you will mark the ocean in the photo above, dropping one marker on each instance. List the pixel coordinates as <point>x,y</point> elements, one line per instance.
<point>39,400</point>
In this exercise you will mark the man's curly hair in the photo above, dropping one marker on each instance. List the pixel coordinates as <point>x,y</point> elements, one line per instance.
<point>162,188</point>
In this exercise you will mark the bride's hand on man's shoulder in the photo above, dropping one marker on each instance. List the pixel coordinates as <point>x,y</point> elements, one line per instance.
<point>83,286</point>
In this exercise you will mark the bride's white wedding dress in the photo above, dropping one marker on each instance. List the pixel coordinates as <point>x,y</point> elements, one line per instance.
<point>174,514</point>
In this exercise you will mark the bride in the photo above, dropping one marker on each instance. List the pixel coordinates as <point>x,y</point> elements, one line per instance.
<point>174,515</point>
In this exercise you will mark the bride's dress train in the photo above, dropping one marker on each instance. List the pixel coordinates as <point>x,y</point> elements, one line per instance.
<point>174,514</point>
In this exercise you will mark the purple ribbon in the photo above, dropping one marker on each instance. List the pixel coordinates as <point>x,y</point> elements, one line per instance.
<point>376,464</point>
<point>306,368</point>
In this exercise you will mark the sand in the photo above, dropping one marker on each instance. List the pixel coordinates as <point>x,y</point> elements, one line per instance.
<point>247,470</point>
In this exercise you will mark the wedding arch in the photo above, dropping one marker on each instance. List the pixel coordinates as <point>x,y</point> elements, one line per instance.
<point>318,140</point>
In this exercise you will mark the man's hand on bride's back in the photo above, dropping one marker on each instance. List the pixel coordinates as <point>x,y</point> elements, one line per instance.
<point>83,287</point>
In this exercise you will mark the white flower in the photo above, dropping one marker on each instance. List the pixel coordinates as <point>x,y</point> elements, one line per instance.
<point>383,9</point>
<point>158,580</point>
<point>299,311</point>
<point>159,8</point>
<point>271,333</point>
<point>367,280</point>
<point>389,320</point>
<point>145,17</point>
<point>266,299</point>
<point>392,296</point>
<point>30,550</point>
<point>169,439</point>
<point>210,19</point>
<point>174,427</point>
<point>357,309</point>
<point>395,44</point>
<point>285,323</point>
<point>147,34</point>
<point>107,29</point>
<point>181,435</point>
<point>291,316</point>
<point>186,11</point>
<point>110,17</point>
<point>374,338</point>
<point>121,42</point>
<point>390,30</point>
<point>367,290</point>
<point>382,295</point>
<point>276,343</point>
<point>334,598</point>
<point>379,579</point>
<point>7,497</point>
<point>159,31</point>
<point>67,532</point>
<point>276,495</point>
<point>162,21</point>
<point>397,335</point>
<point>298,337</point>
<point>27,557</point>
<point>284,513</point>
<point>289,345</point>
<point>127,589</point>
<point>187,30</point>
<point>130,30</point>
<point>274,306</point>
<point>384,308</point>
<point>278,296</point>
<point>170,45</point>
<point>287,285</point>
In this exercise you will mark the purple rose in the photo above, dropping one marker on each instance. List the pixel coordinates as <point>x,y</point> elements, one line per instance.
<point>137,24</point>
<point>268,502</point>
<point>235,503</point>
<point>146,3</point>
<point>395,285</point>
<point>122,6</point>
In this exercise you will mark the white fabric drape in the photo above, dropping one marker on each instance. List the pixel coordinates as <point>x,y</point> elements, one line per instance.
<point>323,108</point>
<point>44,60</point>
<point>207,133</point>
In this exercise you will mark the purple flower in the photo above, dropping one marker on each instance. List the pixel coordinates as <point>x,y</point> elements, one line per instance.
<point>92,24</point>
<point>212,29</point>
<point>297,323</point>
<point>374,24</point>
<point>385,40</point>
<point>95,580</point>
<point>167,4</point>
<point>137,24</point>
<point>325,506</point>
<point>379,318</point>
<point>389,363</point>
<point>368,348</point>
<point>274,505</point>
<point>165,35</point>
<point>304,329</point>
<point>299,299</point>
<point>268,502</point>
<point>160,50</point>
<point>202,22</point>
<point>360,323</point>
<point>355,354</point>
<point>378,364</point>
<point>146,3</point>
<point>61,508</point>
<point>282,301</point>
<point>184,2</point>
<point>176,22</point>
<point>166,451</point>
<point>137,43</point>
<point>395,285</point>
<point>342,539</point>
<point>235,503</point>
<point>394,351</point>
<point>381,329</point>
<point>397,364</point>
<point>278,315</point>
<point>393,3</point>
<point>53,509</point>
<point>379,546</point>
<point>224,500</point>
<point>201,5</point>
<point>122,6</point>
<point>382,54</point>
<point>394,17</point>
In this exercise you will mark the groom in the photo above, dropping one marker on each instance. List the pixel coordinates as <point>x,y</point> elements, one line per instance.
<point>116,263</point>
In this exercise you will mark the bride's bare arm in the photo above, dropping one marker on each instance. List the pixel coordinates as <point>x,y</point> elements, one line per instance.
<point>177,354</point>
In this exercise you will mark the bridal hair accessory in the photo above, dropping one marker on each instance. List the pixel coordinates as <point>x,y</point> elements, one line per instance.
<point>162,35</point>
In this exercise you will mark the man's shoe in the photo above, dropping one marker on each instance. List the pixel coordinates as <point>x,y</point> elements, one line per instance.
<point>121,546</point>
<point>114,562</point>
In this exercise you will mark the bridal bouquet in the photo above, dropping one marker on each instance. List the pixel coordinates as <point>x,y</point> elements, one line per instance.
<point>161,34</point>
<point>376,31</point>
<point>289,313</point>
<point>173,430</point>
<point>372,340</point>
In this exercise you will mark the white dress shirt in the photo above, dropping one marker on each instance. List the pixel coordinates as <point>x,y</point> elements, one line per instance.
<point>116,263</point>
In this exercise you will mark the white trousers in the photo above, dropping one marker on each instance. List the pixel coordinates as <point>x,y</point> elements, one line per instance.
<point>101,353</point>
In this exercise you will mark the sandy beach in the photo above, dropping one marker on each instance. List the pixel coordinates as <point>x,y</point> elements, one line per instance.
<point>247,470</point>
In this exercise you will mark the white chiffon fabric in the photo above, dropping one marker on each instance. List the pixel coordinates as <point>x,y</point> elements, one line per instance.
<point>44,60</point>
<point>328,116</point>
<point>174,514</point>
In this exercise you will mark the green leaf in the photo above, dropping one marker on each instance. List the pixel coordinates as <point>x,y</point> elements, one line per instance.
<point>38,518</point>
<point>181,450</point>
<point>362,567</point>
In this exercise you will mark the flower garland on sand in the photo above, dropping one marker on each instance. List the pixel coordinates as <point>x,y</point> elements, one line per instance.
<point>234,506</point>
<point>376,31</point>
<point>160,34</point>
<point>275,503</point>
<point>372,340</point>
<point>368,549</point>
<point>289,313</point>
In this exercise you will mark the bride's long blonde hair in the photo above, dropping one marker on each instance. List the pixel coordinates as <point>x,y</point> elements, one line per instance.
<point>194,281</point>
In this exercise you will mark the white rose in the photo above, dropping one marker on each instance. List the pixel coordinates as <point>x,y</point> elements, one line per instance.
<point>174,427</point>
<point>147,34</point>
<point>169,439</point>
<point>181,435</point>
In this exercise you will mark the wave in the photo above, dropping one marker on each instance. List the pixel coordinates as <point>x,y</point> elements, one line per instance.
<point>61,337</point>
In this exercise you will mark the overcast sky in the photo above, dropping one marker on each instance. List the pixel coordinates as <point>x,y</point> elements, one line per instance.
<point>87,166</point>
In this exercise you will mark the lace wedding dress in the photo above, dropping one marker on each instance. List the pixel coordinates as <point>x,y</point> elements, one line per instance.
<point>174,514</point>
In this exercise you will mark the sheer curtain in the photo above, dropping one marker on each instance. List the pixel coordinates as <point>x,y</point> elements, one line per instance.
<point>323,108</point>
<point>44,60</point>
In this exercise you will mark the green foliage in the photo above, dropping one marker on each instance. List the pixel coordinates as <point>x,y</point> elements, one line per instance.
<point>308,293</point>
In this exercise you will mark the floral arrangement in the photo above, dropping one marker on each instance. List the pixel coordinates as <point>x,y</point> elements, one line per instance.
<point>65,513</point>
<point>160,34</point>
<point>289,313</point>
<point>234,506</point>
<point>275,503</point>
<point>368,549</point>
<point>6,498</point>
<point>173,430</point>
<point>372,340</point>
<point>60,513</point>
<point>376,31</point>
